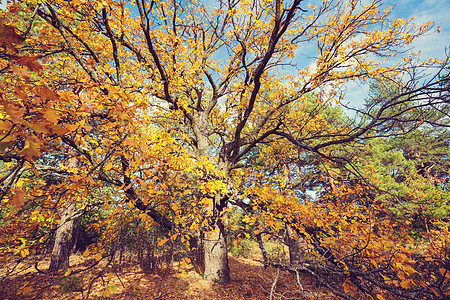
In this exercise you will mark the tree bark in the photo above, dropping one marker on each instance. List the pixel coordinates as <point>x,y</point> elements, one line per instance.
<point>63,241</point>
<point>216,255</point>
<point>294,242</point>
<point>76,235</point>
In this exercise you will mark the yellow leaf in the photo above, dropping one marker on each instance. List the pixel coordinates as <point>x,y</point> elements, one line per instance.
<point>24,253</point>
<point>98,257</point>
<point>162,242</point>
<point>86,253</point>
<point>380,297</point>
<point>107,293</point>
<point>51,115</point>
<point>68,272</point>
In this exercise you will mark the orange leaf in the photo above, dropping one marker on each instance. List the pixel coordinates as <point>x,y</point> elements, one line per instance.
<point>86,252</point>
<point>406,284</point>
<point>27,290</point>
<point>106,204</point>
<point>18,198</point>
<point>52,115</point>
<point>15,113</point>
<point>46,93</point>
<point>9,37</point>
<point>162,242</point>
<point>20,71</point>
<point>30,62</point>
<point>30,151</point>
<point>4,125</point>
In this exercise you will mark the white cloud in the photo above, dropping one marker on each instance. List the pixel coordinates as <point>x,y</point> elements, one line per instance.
<point>355,94</point>
<point>2,4</point>
<point>438,11</point>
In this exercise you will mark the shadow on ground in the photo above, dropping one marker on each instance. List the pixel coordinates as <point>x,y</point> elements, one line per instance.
<point>250,280</point>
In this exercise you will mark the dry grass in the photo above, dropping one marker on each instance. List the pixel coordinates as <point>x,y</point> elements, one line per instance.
<point>250,280</point>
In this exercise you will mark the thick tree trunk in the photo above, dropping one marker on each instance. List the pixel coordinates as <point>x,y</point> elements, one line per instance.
<point>76,235</point>
<point>294,242</point>
<point>215,243</point>
<point>63,241</point>
<point>214,240</point>
<point>216,256</point>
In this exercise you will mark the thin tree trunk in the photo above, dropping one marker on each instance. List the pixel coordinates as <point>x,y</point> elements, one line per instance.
<point>198,252</point>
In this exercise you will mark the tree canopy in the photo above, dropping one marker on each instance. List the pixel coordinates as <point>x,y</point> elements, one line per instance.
<point>178,112</point>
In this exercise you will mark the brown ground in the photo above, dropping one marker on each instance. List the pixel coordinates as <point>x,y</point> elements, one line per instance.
<point>250,280</point>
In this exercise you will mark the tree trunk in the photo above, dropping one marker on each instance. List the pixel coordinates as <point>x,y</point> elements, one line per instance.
<point>197,252</point>
<point>294,243</point>
<point>63,241</point>
<point>214,240</point>
<point>76,236</point>
<point>214,243</point>
<point>216,256</point>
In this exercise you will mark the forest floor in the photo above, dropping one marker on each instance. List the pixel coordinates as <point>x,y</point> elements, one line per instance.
<point>250,280</point>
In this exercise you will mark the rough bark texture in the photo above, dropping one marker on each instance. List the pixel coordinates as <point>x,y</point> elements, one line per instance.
<point>75,235</point>
<point>214,240</point>
<point>216,256</point>
<point>296,255</point>
<point>63,241</point>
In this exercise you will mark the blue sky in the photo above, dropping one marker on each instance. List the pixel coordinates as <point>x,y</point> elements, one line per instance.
<point>424,10</point>
<point>428,10</point>
<point>432,44</point>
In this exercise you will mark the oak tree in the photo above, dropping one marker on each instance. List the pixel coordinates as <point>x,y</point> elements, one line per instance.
<point>169,101</point>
